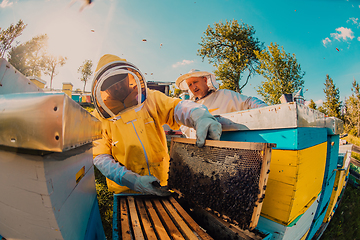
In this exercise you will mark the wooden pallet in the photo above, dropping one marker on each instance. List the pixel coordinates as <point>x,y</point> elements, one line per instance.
<point>148,217</point>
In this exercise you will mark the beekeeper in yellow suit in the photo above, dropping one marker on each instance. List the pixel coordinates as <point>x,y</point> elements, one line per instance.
<point>133,153</point>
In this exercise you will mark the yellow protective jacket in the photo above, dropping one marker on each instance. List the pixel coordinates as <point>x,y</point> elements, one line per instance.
<point>138,134</point>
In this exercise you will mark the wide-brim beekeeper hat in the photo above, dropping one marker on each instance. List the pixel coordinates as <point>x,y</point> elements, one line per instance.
<point>211,81</point>
<point>118,85</point>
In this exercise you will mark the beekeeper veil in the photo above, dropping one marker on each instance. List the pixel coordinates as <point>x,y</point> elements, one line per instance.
<point>117,86</point>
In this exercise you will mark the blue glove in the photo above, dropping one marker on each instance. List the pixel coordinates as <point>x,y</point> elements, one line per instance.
<point>124,177</point>
<point>205,126</point>
<point>145,184</point>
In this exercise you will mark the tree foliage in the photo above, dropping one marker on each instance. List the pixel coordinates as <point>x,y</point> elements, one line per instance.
<point>332,103</point>
<point>352,106</point>
<point>8,36</point>
<point>50,64</point>
<point>85,71</point>
<point>230,48</point>
<point>176,93</point>
<point>28,57</point>
<point>322,109</point>
<point>282,73</point>
<point>312,104</point>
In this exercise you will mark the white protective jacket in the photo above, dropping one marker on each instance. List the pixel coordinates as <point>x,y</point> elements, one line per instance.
<point>219,100</point>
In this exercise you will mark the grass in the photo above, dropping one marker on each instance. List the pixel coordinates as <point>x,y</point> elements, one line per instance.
<point>105,200</point>
<point>354,140</point>
<point>345,223</point>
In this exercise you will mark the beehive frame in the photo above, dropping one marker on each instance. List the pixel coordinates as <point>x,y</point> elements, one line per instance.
<point>153,217</point>
<point>225,168</point>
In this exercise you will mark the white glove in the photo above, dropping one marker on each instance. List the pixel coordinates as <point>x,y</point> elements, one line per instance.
<point>197,116</point>
<point>205,126</point>
<point>124,177</point>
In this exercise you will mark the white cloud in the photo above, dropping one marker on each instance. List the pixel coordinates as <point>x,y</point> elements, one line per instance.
<point>344,34</point>
<point>184,62</point>
<point>319,102</point>
<point>354,21</point>
<point>326,41</point>
<point>358,39</point>
<point>5,3</point>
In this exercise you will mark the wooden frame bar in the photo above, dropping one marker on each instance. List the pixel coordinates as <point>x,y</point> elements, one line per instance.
<point>151,217</point>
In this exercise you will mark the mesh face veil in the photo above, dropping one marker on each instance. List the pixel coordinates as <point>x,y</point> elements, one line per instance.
<point>118,86</point>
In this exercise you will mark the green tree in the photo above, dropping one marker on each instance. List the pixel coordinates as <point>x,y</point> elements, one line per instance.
<point>322,109</point>
<point>7,36</point>
<point>282,73</point>
<point>312,104</point>
<point>28,57</point>
<point>85,71</point>
<point>177,92</point>
<point>230,48</point>
<point>50,64</point>
<point>332,96</point>
<point>352,114</point>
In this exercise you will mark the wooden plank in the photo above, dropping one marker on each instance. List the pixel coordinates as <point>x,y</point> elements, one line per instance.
<point>355,149</point>
<point>149,230</point>
<point>124,220</point>
<point>174,232</point>
<point>264,176</point>
<point>227,144</point>
<point>159,227</point>
<point>135,219</point>
<point>222,230</point>
<point>203,235</point>
<point>180,222</point>
<point>355,162</point>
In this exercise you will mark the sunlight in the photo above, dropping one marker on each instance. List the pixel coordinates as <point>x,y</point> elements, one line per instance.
<point>69,35</point>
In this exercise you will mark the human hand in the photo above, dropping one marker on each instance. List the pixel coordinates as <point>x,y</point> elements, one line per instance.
<point>206,126</point>
<point>145,184</point>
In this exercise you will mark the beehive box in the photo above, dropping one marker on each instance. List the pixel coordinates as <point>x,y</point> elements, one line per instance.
<point>227,177</point>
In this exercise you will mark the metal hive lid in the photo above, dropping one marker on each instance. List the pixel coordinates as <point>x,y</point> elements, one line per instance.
<point>287,115</point>
<point>12,81</point>
<point>45,121</point>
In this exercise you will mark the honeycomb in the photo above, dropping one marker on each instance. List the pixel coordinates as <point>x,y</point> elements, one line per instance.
<point>223,179</point>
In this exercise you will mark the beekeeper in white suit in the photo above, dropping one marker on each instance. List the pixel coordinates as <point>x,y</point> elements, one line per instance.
<point>133,153</point>
<point>205,90</point>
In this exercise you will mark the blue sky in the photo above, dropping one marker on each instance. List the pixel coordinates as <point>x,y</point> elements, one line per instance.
<point>324,35</point>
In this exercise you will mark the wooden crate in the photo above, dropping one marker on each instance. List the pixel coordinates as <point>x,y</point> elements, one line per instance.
<point>152,217</point>
<point>227,177</point>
